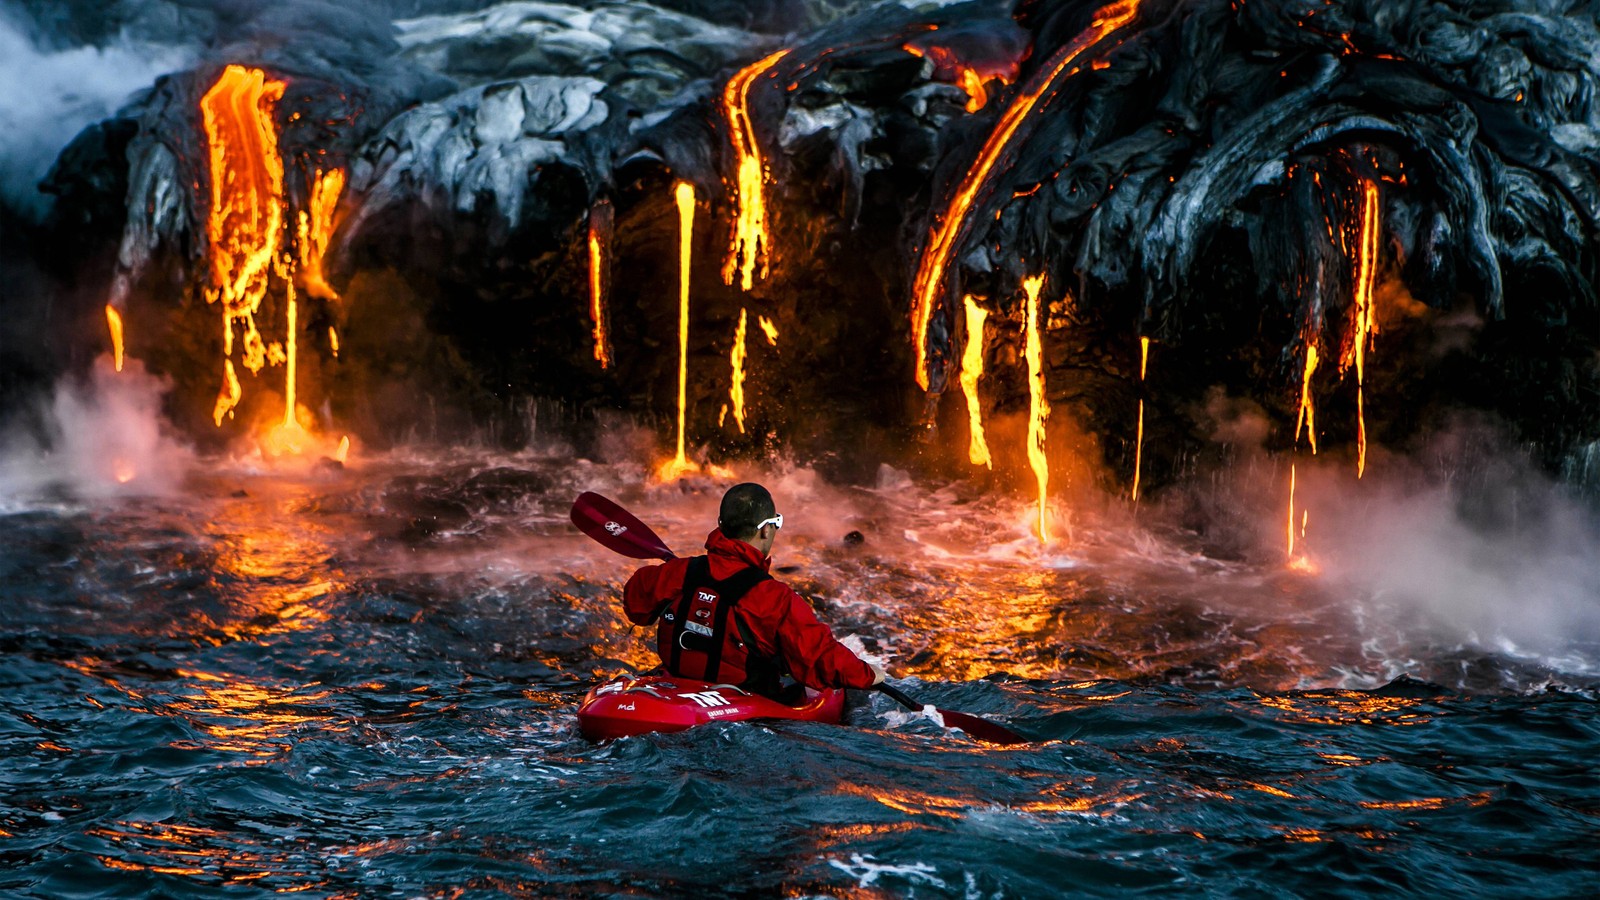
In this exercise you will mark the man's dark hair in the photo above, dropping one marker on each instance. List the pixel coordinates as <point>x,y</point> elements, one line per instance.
<point>742,507</point>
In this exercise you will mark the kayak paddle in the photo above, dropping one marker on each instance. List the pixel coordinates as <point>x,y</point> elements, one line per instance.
<point>616,529</point>
<point>982,729</point>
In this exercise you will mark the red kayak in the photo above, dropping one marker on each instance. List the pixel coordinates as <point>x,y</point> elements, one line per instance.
<point>624,706</point>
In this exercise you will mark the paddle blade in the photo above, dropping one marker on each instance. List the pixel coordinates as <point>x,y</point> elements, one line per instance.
<point>616,529</point>
<point>982,729</point>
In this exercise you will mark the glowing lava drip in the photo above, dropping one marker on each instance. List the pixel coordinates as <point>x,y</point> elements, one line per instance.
<point>1306,418</point>
<point>1138,441</point>
<point>315,229</point>
<point>736,389</point>
<point>1038,406</point>
<point>245,225</point>
<point>748,249</point>
<point>971,371</point>
<point>950,228</point>
<point>114,324</point>
<point>1365,325</point>
<point>599,227</point>
<point>683,194</point>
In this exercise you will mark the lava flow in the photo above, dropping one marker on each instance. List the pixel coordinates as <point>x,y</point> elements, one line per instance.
<point>683,195</point>
<point>316,229</point>
<point>747,252</point>
<point>971,371</point>
<point>245,225</point>
<point>1307,417</point>
<point>1038,406</point>
<point>1138,441</point>
<point>114,324</point>
<point>950,228</point>
<point>736,387</point>
<point>1365,324</point>
<point>600,222</point>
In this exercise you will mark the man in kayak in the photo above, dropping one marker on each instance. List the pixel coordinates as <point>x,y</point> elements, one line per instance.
<point>722,618</point>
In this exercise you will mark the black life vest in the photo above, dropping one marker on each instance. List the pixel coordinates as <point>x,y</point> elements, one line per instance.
<point>696,639</point>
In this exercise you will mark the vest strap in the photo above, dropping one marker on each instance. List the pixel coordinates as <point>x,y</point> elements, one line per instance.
<point>730,591</point>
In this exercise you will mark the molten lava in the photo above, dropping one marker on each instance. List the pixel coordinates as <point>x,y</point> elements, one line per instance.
<point>769,329</point>
<point>747,252</point>
<point>1307,417</point>
<point>1038,406</point>
<point>1289,528</point>
<point>114,324</point>
<point>683,195</point>
<point>971,371</point>
<point>970,79</point>
<point>1365,324</point>
<point>1138,441</point>
<point>950,228</point>
<point>245,226</point>
<point>600,217</point>
<point>315,229</point>
<point>736,389</point>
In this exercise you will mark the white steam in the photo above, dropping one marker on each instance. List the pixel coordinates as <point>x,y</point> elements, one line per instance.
<point>1501,561</point>
<point>105,437</point>
<point>50,96</point>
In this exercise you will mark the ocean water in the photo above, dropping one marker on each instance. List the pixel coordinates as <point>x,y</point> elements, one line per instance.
<point>361,683</point>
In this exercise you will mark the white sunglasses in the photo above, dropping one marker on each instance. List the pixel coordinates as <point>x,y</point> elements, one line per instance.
<point>776,521</point>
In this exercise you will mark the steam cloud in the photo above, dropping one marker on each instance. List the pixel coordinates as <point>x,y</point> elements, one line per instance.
<point>51,95</point>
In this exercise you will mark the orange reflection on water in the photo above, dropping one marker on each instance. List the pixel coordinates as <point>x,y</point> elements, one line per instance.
<point>1102,805</point>
<point>1349,708</point>
<point>1479,799</point>
<point>909,801</point>
<point>215,857</point>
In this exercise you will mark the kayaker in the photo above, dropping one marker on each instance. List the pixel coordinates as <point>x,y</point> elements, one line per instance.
<point>722,618</point>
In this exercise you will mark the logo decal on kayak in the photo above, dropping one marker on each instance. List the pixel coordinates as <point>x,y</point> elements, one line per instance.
<point>615,528</point>
<point>706,597</point>
<point>707,698</point>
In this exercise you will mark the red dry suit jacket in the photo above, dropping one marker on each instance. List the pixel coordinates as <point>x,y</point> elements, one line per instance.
<point>780,620</point>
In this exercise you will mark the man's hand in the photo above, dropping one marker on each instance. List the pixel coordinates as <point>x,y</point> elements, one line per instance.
<point>879,673</point>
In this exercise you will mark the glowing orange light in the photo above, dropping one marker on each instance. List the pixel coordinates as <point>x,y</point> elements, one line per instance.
<point>971,371</point>
<point>683,194</point>
<point>231,392</point>
<point>1038,406</point>
<point>289,363</point>
<point>769,329</point>
<point>747,252</point>
<point>114,324</point>
<point>1138,441</point>
<point>1366,324</point>
<point>315,229</point>
<point>599,219</point>
<point>1289,529</point>
<point>245,224</point>
<point>971,82</point>
<point>1308,412</point>
<point>343,453</point>
<point>736,390</point>
<point>333,341</point>
<point>122,470</point>
<point>948,230</point>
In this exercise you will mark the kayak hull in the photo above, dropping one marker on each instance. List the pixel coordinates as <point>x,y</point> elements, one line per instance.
<point>659,703</point>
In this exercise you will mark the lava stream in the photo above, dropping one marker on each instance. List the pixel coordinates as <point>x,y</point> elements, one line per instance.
<point>1038,405</point>
<point>747,252</point>
<point>949,228</point>
<point>971,371</point>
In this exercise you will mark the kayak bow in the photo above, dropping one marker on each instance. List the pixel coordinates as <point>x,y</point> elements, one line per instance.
<point>659,703</point>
